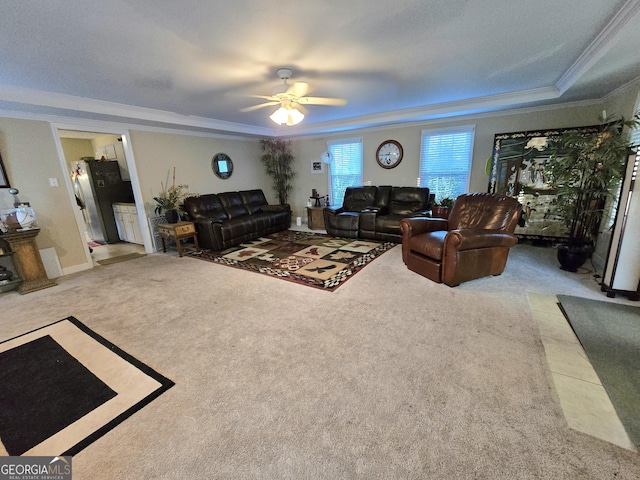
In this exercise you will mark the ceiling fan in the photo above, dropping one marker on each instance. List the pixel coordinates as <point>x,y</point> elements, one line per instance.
<point>291,100</point>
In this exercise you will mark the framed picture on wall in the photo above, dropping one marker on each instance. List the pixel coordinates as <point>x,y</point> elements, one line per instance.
<point>520,169</point>
<point>4,180</point>
<point>317,166</point>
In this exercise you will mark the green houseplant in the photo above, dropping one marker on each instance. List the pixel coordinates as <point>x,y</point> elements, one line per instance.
<point>170,200</point>
<point>442,207</point>
<point>278,161</point>
<point>585,167</point>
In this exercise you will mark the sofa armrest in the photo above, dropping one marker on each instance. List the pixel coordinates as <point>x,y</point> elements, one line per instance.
<point>469,239</point>
<point>332,210</point>
<point>417,225</point>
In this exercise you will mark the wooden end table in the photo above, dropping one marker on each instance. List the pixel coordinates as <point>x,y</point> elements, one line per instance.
<point>315,218</point>
<point>178,231</point>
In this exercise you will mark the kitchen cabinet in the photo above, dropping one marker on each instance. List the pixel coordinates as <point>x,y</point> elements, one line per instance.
<point>128,223</point>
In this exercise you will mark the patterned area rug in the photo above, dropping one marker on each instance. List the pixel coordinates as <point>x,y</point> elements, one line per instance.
<point>63,386</point>
<point>311,259</point>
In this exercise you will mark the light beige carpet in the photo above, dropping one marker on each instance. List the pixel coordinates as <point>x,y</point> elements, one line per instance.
<point>389,377</point>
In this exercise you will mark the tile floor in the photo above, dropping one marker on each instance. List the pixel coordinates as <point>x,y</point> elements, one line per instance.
<point>584,401</point>
<point>110,250</point>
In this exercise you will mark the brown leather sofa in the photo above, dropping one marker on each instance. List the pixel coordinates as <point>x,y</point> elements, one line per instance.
<point>473,242</point>
<point>224,220</point>
<point>375,212</point>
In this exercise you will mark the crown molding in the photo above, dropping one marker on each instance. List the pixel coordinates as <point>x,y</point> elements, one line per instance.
<point>40,98</point>
<point>605,41</point>
<point>431,112</point>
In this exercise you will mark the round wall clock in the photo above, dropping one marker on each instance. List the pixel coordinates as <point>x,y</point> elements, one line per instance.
<point>389,154</point>
<point>222,165</point>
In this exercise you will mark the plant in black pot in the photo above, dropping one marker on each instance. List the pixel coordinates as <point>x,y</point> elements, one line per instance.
<point>586,167</point>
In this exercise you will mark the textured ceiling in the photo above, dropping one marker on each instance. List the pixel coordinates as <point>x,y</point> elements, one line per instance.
<point>195,63</point>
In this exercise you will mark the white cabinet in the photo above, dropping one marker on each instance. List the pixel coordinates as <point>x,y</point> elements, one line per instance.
<point>127,222</point>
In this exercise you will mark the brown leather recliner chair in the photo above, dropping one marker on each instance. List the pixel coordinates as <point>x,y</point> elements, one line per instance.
<point>472,243</point>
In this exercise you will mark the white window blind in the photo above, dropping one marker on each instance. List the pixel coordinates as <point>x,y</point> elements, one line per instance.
<point>445,160</point>
<point>346,168</point>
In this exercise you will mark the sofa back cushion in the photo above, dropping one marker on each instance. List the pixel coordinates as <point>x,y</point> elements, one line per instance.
<point>382,197</point>
<point>358,198</point>
<point>486,211</point>
<point>233,204</point>
<point>253,200</point>
<point>205,206</point>
<point>408,200</point>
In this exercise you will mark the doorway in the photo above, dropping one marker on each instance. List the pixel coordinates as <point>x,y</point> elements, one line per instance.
<point>103,187</point>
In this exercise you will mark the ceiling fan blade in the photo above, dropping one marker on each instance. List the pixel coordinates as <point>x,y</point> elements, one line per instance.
<point>322,101</point>
<point>298,89</point>
<point>303,110</point>
<point>256,107</point>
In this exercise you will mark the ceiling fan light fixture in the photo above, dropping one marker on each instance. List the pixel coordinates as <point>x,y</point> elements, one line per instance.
<point>287,116</point>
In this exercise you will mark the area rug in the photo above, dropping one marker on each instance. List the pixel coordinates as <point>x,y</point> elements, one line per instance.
<point>610,334</point>
<point>120,258</point>
<point>306,258</point>
<point>63,386</point>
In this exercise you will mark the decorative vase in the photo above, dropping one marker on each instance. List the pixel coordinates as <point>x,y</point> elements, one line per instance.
<point>172,216</point>
<point>572,257</point>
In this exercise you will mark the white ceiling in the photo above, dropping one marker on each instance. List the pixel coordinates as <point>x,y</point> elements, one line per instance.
<point>193,63</point>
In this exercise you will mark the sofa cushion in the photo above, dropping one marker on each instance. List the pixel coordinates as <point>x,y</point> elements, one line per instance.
<point>233,204</point>
<point>358,198</point>
<point>207,206</point>
<point>408,200</point>
<point>253,200</point>
<point>429,244</point>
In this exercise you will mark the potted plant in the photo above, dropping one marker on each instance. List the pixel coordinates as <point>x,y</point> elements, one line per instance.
<point>586,167</point>
<point>442,207</point>
<point>278,161</point>
<point>170,200</point>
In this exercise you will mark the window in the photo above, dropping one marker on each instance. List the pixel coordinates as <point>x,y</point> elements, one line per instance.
<point>445,160</point>
<point>346,168</point>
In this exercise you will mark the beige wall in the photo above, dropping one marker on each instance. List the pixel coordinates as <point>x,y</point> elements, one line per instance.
<point>31,158</point>
<point>30,155</point>
<point>406,174</point>
<point>156,154</point>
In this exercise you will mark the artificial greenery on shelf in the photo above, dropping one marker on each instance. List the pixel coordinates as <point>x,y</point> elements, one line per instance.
<point>171,198</point>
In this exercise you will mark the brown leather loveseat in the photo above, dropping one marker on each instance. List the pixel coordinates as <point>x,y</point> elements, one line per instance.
<point>375,212</point>
<point>473,242</point>
<point>224,220</point>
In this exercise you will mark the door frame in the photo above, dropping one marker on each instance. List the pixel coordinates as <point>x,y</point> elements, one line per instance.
<point>107,129</point>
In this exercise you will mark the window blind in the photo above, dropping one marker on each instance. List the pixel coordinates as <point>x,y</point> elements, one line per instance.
<point>346,168</point>
<point>445,160</point>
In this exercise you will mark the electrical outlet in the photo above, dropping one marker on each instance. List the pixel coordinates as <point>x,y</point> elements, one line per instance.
<point>53,182</point>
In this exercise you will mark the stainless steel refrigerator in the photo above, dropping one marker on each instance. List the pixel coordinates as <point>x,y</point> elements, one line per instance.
<point>98,185</point>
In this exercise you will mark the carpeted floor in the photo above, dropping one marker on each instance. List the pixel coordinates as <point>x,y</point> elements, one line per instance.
<point>610,335</point>
<point>391,376</point>
<point>62,386</point>
<point>312,259</point>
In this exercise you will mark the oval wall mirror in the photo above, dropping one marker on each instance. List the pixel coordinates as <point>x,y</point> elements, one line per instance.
<point>222,165</point>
